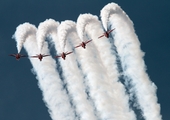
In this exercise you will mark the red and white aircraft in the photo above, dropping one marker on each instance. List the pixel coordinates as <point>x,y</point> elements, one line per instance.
<point>18,56</point>
<point>63,55</point>
<point>106,34</point>
<point>40,56</point>
<point>83,44</point>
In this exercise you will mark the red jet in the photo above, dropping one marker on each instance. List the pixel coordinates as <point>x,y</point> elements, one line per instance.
<point>63,55</point>
<point>18,56</point>
<point>106,34</point>
<point>40,56</point>
<point>83,44</point>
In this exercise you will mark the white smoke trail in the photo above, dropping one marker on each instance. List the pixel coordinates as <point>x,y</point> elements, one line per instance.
<point>81,26</point>
<point>64,29</point>
<point>104,18</point>
<point>19,37</point>
<point>92,27</point>
<point>72,75</point>
<point>128,47</point>
<point>48,79</point>
<point>96,78</point>
<point>44,30</point>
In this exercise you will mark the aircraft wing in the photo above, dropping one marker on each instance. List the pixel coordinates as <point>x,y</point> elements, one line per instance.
<point>45,55</point>
<point>57,56</point>
<point>24,56</point>
<point>100,36</point>
<point>88,41</point>
<point>68,53</point>
<point>13,55</point>
<point>77,46</point>
<point>110,30</point>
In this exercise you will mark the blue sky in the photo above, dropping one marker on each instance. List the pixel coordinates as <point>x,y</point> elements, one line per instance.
<point>20,97</point>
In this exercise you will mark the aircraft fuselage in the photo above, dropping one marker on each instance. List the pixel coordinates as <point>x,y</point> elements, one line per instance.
<point>83,45</point>
<point>40,57</point>
<point>17,56</point>
<point>63,55</point>
<point>106,34</point>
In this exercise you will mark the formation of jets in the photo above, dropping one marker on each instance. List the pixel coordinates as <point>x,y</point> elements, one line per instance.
<point>63,54</point>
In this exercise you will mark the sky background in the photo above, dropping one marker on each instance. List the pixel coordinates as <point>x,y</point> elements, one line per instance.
<point>20,97</point>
